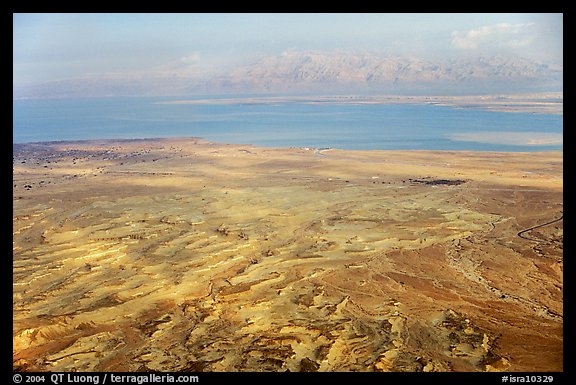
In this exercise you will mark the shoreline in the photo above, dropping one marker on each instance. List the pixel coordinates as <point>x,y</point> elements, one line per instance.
<point>475,165</point>
<point>537,103</point>
<point>319,149</point>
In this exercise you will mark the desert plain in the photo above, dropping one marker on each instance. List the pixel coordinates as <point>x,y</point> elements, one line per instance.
<point>186,255</point>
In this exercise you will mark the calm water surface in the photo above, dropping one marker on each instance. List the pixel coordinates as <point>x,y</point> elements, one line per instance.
<point>362,127</point>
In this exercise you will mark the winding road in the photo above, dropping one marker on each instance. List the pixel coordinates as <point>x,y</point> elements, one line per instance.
<point>521,233</point>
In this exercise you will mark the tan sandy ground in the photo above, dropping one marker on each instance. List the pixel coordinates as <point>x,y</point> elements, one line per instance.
<point>184,255</point>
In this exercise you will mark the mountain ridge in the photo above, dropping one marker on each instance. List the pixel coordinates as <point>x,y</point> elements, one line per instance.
<point>322,71</point>
<point>304,71</point>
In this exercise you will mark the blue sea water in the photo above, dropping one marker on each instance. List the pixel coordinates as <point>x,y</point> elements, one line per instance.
<point>344,126</point>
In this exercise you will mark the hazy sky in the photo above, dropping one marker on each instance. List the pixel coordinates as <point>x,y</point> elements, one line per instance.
<point>56,46</point>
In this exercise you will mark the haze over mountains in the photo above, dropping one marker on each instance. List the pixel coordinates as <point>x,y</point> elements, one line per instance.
<point>322,72</point>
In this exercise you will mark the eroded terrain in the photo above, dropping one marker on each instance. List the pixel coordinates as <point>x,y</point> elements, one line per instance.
<point>184,255</point>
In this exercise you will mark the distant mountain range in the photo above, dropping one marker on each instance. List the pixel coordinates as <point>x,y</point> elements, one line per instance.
<point>324,72</point>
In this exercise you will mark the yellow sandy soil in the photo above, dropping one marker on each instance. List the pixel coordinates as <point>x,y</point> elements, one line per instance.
<point>185,255</point>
